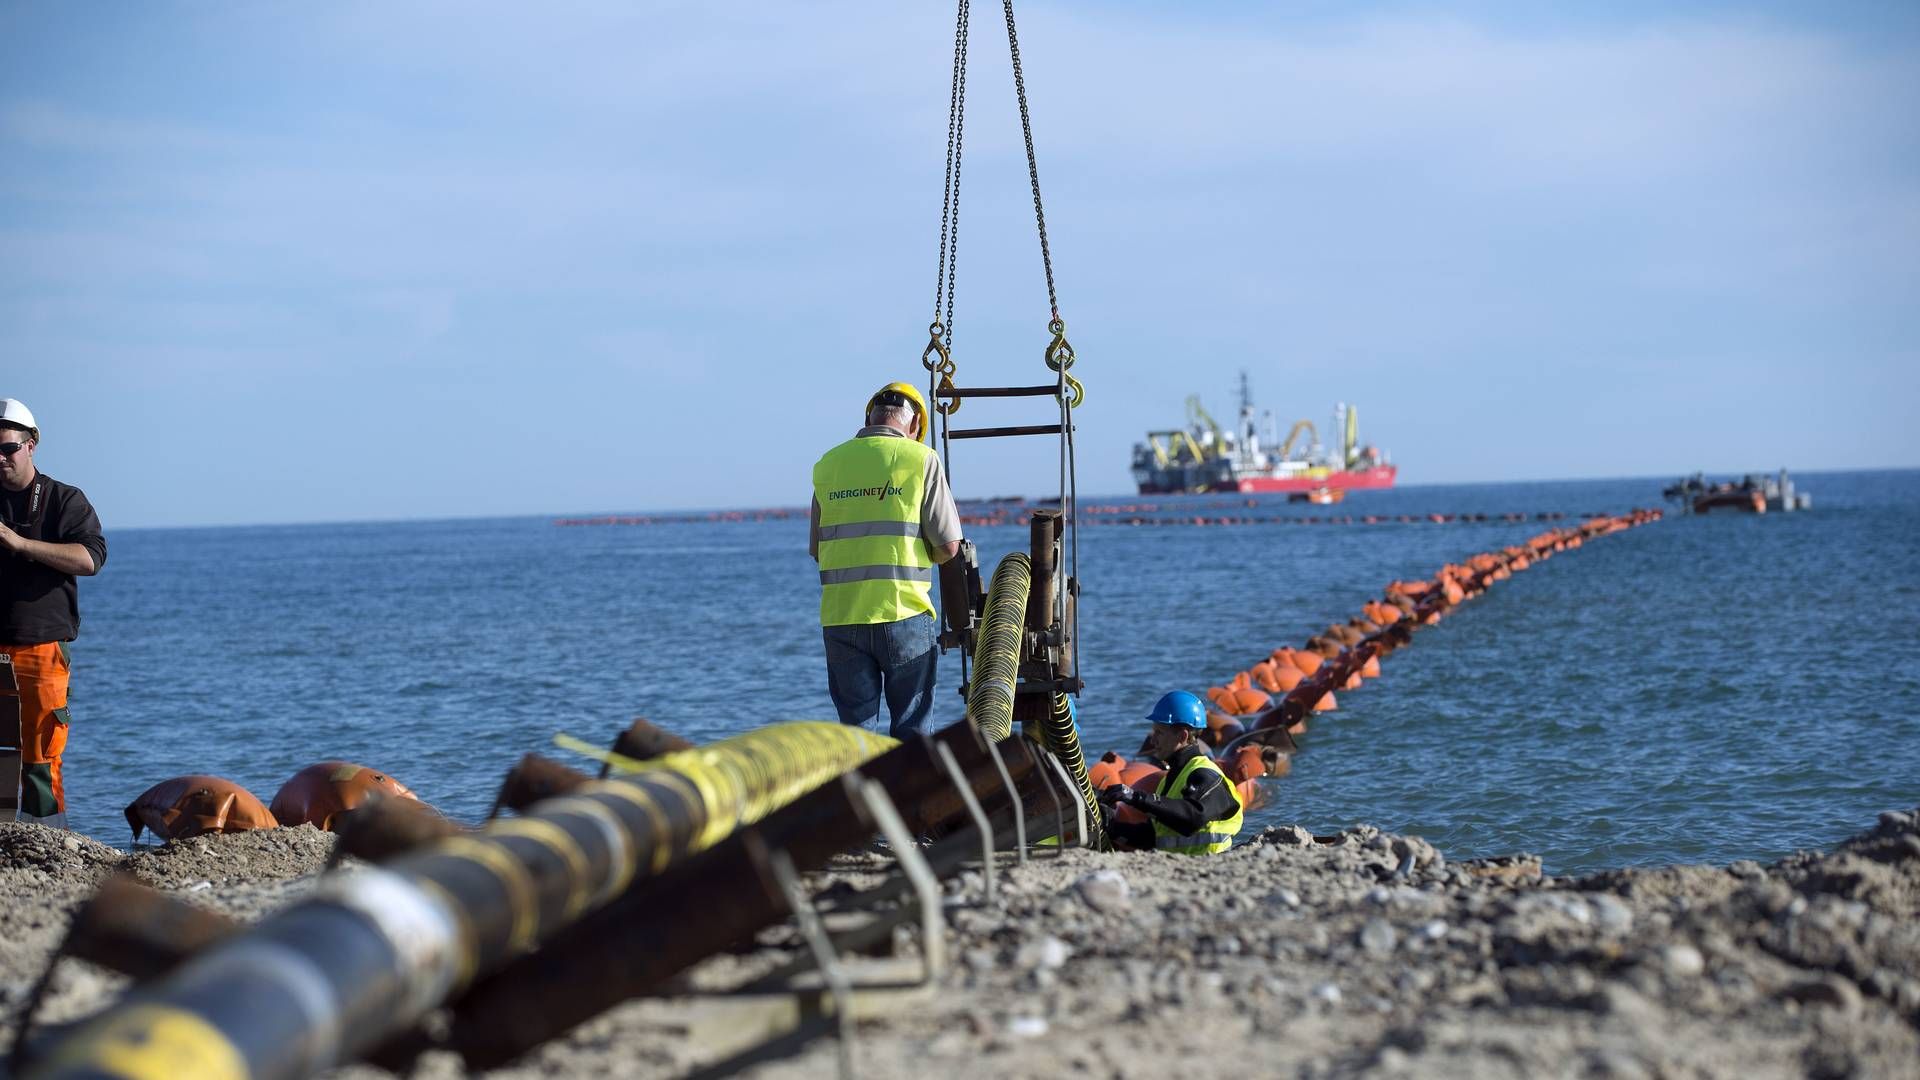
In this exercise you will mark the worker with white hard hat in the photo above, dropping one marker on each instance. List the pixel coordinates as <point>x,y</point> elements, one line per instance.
<point>49,536</point>
<point>882,518</point>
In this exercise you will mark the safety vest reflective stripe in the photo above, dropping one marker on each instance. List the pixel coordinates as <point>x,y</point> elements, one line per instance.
<point>876,573</point>
<point>1199,839</point>
<point>869,528</point>
<point>874,562</point>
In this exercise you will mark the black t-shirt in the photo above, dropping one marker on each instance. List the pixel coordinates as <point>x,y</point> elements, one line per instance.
<point>37,603</point>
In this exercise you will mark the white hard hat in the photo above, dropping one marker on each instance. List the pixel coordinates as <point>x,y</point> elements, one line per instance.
<point>15,412</point>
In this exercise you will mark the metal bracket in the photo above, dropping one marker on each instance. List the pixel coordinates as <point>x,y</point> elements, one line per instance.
<point>823,955</point>
<point>974,810</point>
<point>1013,793</point>
<point>906,851</point>
<point>1059,812</point>
<point>1073,792</point>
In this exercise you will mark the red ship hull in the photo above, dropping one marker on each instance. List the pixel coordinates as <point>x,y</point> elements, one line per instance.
<point>1379,476</point>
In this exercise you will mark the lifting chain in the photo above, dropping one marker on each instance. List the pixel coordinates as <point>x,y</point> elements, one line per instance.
<point>941,330</point>
<point>1059,354</point>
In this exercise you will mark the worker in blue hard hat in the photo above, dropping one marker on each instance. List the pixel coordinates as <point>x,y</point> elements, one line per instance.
<point>1194,810</point>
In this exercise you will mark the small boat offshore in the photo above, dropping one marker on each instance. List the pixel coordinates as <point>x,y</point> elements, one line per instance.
<point>1753,493</point>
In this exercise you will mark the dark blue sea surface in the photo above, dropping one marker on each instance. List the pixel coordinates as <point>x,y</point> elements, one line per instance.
<point>1702,689</point>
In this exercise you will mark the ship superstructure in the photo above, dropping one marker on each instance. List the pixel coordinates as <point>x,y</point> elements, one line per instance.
<point>1204,456</point>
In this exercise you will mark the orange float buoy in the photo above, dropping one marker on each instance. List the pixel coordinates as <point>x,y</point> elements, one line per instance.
<point>1285,677</point>
<point>1371,669</point>
<point>195,805</point>
<point>1142,777</point>
<point>1252,795</point>
<point>1105,773</point>
<point>1326,703</point>
<point>1220,734</point>
<point>1244,764</point>
<point>1307,662</point>
<point>1245,702</point>
<point>322,791</point>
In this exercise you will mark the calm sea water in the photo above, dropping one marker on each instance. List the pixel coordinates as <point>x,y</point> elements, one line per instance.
<point>1696,690</point>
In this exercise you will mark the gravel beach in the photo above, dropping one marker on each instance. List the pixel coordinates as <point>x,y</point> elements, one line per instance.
<point>1360,953</point>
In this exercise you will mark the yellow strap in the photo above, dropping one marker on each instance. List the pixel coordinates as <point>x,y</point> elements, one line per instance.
<point>152,1042</point>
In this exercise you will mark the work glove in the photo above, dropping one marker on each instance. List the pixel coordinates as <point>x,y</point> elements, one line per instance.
<point>1116,793</point>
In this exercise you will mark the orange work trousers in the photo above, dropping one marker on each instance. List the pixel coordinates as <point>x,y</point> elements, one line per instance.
<point>33,719</point>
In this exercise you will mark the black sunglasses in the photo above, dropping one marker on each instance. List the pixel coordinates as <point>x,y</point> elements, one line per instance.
<point>8,449</point>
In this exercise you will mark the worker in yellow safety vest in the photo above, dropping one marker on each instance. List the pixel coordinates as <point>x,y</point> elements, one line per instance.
<point>883,517</point>
<point>1194,810</point>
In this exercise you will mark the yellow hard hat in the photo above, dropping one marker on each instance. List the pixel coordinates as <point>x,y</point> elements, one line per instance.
<point>914,399</point>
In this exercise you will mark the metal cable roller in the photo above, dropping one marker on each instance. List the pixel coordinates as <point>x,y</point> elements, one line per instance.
<point>996,657</point>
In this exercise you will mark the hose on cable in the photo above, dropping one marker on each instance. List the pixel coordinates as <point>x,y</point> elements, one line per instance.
<point>332,977</point>
<point>996,655</point>
<point>747,777</point>
<point>1062,739</point>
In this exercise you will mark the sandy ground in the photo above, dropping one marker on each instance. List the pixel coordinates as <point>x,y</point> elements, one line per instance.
<point>1358,954</point>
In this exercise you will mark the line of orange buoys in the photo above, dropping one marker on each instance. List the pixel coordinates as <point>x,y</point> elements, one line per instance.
<point>1257,712</point>
<point>1147,515</point>
<point>1138,514</point>
<point>777,513</point>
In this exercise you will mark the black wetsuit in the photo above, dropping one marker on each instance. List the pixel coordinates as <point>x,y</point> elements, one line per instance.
<point>1208,798</point>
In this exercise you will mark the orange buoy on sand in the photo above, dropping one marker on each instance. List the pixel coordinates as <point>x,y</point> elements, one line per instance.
<point>322,791</point>
<point>195,805</point>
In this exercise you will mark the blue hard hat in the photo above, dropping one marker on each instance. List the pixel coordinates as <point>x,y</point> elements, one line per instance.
<point>1181,709</point>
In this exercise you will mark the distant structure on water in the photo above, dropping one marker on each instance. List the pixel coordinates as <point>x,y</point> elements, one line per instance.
<point>1754,493</point>
<point>1204,457</point>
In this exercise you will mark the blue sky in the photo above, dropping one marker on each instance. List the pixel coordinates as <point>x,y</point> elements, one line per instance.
<point>389,260</point>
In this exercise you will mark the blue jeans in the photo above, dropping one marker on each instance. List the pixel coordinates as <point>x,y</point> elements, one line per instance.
<point>896,659</point>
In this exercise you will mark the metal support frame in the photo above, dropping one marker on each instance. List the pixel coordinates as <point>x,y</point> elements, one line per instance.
<point>1079,804</point>
<point>906,852</point>
<point>1059,811</point>
<point>822,949</point>
<point>1013,795</point>
<point>974,810</point>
